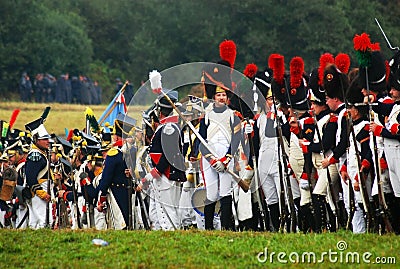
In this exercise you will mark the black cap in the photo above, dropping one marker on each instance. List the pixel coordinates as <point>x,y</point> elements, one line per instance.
<point>317,92</point>
<point>37,129</point>
<point>335,82</point>
<point>162,101</point>
<point>376,73</point>
<point>217,77</point>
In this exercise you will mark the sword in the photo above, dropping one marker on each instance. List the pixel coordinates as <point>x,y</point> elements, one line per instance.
<point>384,35</point>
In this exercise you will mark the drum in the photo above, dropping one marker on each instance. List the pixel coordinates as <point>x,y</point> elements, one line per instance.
<point>199,198</point>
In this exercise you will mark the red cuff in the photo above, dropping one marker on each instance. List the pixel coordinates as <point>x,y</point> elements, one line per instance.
<point>304,148</point>
<point>378,130</point>
<point>383,164</point>
<point>155,173</point>
<point>103,199</point>
<point>213,161</point>
<point>395,129</point>
<point>356,178</point>
<point>84,209</point>
<point>225,160</point>
<point>366,164</point>
<point>332,160</point>
<point>343,168</point>
<point>304,176</point>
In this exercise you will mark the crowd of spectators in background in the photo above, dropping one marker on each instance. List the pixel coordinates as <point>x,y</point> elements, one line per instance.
<point>46,88</point>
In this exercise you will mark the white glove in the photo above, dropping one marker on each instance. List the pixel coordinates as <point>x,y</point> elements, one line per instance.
<point>304,184</point>
<point>219,166</point>
<point>248,128</point>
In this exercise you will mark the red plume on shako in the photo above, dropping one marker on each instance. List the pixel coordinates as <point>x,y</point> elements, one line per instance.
<point>227,52</point>
<point>325,60</point>
<point>342,62</point>
<point>277,63</point>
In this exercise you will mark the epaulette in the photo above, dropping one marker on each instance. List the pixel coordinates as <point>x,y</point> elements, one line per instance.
<point>333,118</point>
<point>35,156</point>
<point>237,113</point>
<point>168,129</point>
<point>112,152</point>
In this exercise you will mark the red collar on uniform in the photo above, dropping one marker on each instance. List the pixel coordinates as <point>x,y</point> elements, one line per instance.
<point>119,143</point>
<point>22,160</point>
<point>170,119</point>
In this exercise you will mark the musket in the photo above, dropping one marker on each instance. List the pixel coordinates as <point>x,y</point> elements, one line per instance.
<point>47,224</point>
<point>130,187</point>
<point>258,191</point>
<point>306,161</point>
<point>284,163</point>
<point>362,179</point>
<point>244,185</point>
<point>147,168</point>
<point>384,35</point>
<point>382,203</point>
<point>75,195</point>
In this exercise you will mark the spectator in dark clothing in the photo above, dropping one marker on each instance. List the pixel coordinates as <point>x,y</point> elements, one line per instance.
<point>67,89</point>
<point>50,87</point>
<point>118,86</point>
<point>25,87</point>
<point>60,90</point>
<point>92,91</point>
<point>63,89</point>
<point>84,91</point>
<point>128,93</point>
<point>39,89</point>
<point>75,90</point>
<point>98,92</point>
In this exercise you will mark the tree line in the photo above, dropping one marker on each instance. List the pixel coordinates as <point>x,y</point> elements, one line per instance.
<point>107,39</point>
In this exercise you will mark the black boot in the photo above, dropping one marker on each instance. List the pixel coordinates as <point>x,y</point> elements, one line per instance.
<point>332,220</point>
<point>320,212</point>
<point>209,210</point>
<point>342,214</point>
<point>227,222</point>
<point>274,213</point>
<point>393,204</point>
<point>307,216</point>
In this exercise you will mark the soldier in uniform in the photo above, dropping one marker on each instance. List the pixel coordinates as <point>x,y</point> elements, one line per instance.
<point>335,84</point>
<point>265,139</point>
<point>168,170</point>
<point>391,137</point>
<point>114,184</point>
<point>17,153</point>
<point>359,150</point>
<point>192,113</point>
<point>38,175</point>
<point>221,127</point>
<point>327,125</point>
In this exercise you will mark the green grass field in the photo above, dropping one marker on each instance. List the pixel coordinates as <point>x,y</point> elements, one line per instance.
<point>195,249</point>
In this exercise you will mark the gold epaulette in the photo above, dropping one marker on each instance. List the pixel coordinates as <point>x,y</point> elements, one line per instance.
<point>112,152</point>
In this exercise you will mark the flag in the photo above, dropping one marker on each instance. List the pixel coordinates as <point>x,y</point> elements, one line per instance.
<point>116,106</point>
